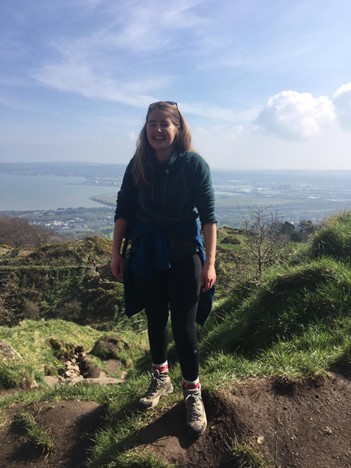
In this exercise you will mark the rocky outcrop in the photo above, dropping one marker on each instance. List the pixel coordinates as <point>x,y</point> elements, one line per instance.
<point>80,370</point>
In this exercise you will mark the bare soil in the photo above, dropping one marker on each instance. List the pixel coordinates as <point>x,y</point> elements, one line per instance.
<point>293,425</point>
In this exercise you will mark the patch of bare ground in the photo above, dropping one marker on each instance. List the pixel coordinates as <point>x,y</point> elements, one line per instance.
<point>292,424</point>
<point>70,425</point>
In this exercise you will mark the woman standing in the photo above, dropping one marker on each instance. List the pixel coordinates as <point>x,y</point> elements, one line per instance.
<point>166,187</point>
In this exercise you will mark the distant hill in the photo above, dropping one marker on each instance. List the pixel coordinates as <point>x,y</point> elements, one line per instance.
<point>66,169</point>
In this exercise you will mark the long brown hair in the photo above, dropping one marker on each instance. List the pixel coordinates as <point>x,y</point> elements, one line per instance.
<point>141,166</point>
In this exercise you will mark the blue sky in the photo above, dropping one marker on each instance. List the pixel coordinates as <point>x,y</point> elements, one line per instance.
<point>264,84</point>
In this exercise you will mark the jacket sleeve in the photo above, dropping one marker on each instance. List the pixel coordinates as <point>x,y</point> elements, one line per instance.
<point>202,189</point>
<point>126,197</point>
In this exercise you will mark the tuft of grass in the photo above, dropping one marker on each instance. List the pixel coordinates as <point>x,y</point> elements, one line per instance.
<point>342,362</point>
<point>16,374</point>
<point>3,420</point>
<point>114,440</point>
<point>137,459</point>
<point>245,455</point>
<point>334,238</point>
<point>35,434</point>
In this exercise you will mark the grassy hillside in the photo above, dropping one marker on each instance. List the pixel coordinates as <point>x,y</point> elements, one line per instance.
<point>59,281</point>
<point>290,324</point>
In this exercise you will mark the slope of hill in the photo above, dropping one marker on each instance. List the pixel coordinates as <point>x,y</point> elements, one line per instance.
<point>276,363</point>
<point>60,281</point>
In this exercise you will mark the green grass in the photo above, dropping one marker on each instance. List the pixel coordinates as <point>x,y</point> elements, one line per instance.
<point>244,455</point>
<point>31,339</point>
<point>285,304</point>
<point>137,459</point>
<point>334,239</point>
<point>292,324</point>
<point>33,432</point>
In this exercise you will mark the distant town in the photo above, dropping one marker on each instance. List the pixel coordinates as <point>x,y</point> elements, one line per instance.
<point>294,195</point>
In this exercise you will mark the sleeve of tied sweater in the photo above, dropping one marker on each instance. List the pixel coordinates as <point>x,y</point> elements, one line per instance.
<point>202,189</point>
<point>127,196</point>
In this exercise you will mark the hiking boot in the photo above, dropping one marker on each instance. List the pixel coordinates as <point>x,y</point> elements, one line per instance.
<point>160,385</point>
<point>195,412</point>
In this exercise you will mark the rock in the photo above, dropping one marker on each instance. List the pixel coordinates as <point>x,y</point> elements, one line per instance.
<point>8,352</point>
<point>102,381</point>
<point>51,381</point>
<point>33,384</point>
<point>75,380</point>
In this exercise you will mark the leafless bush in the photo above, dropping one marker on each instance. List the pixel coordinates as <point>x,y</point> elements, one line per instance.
<point>31,309</point>
<point>265,242</point>
<point>18,232</point>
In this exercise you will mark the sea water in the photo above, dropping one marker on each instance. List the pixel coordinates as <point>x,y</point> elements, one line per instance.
<point>26,192</point>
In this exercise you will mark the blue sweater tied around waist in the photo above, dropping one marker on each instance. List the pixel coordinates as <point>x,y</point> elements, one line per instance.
<point>153,249</point>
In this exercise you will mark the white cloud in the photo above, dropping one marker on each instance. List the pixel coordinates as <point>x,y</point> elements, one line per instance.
<point>82,79</point>
<point>295,116</point>
<point>342,103</point>
<point>114,60</point>
<point>142,31</point>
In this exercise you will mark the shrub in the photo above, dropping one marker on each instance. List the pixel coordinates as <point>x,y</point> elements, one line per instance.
<point>231,240</point>
<point>31,310</point>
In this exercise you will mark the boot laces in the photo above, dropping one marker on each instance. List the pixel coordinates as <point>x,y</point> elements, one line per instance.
<point>155,384</point>
<point>195,403</point>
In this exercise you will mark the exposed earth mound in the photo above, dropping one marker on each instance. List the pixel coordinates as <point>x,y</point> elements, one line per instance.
<point>291,424</point>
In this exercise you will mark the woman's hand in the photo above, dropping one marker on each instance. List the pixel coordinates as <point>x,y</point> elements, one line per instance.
<point>117,265</point>
<point>208,274</point>
<point>208,277</point>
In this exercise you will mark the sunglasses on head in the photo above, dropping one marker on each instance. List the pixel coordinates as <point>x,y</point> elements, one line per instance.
<point>172,103</point>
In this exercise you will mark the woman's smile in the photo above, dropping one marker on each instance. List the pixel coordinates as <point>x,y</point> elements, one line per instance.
<point>161,133</point>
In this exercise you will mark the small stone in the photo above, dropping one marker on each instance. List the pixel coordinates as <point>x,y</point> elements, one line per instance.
<point>33,384</point>
<point>70,373</point>
<point>260,440</point>
<point>75,380</point>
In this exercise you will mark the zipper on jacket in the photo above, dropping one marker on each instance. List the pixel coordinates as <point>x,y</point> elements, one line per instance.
<point>165,187</point>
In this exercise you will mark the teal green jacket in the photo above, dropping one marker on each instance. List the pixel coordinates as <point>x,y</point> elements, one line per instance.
<point>180,190</point>
<point>162,219</point>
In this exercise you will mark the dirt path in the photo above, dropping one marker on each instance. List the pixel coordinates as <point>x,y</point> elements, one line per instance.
<point>300,425</point>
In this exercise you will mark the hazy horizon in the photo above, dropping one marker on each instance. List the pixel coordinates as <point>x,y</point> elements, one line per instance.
<point>212,167</point>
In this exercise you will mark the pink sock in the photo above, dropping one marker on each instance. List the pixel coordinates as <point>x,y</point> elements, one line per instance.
<point>191,385</point>
<point>162,368</point>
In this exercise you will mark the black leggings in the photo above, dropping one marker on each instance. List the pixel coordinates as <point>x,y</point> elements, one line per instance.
<point>177,289</point>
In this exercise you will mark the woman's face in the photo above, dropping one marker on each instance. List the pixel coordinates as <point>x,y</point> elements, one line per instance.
<point>161,132</point>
